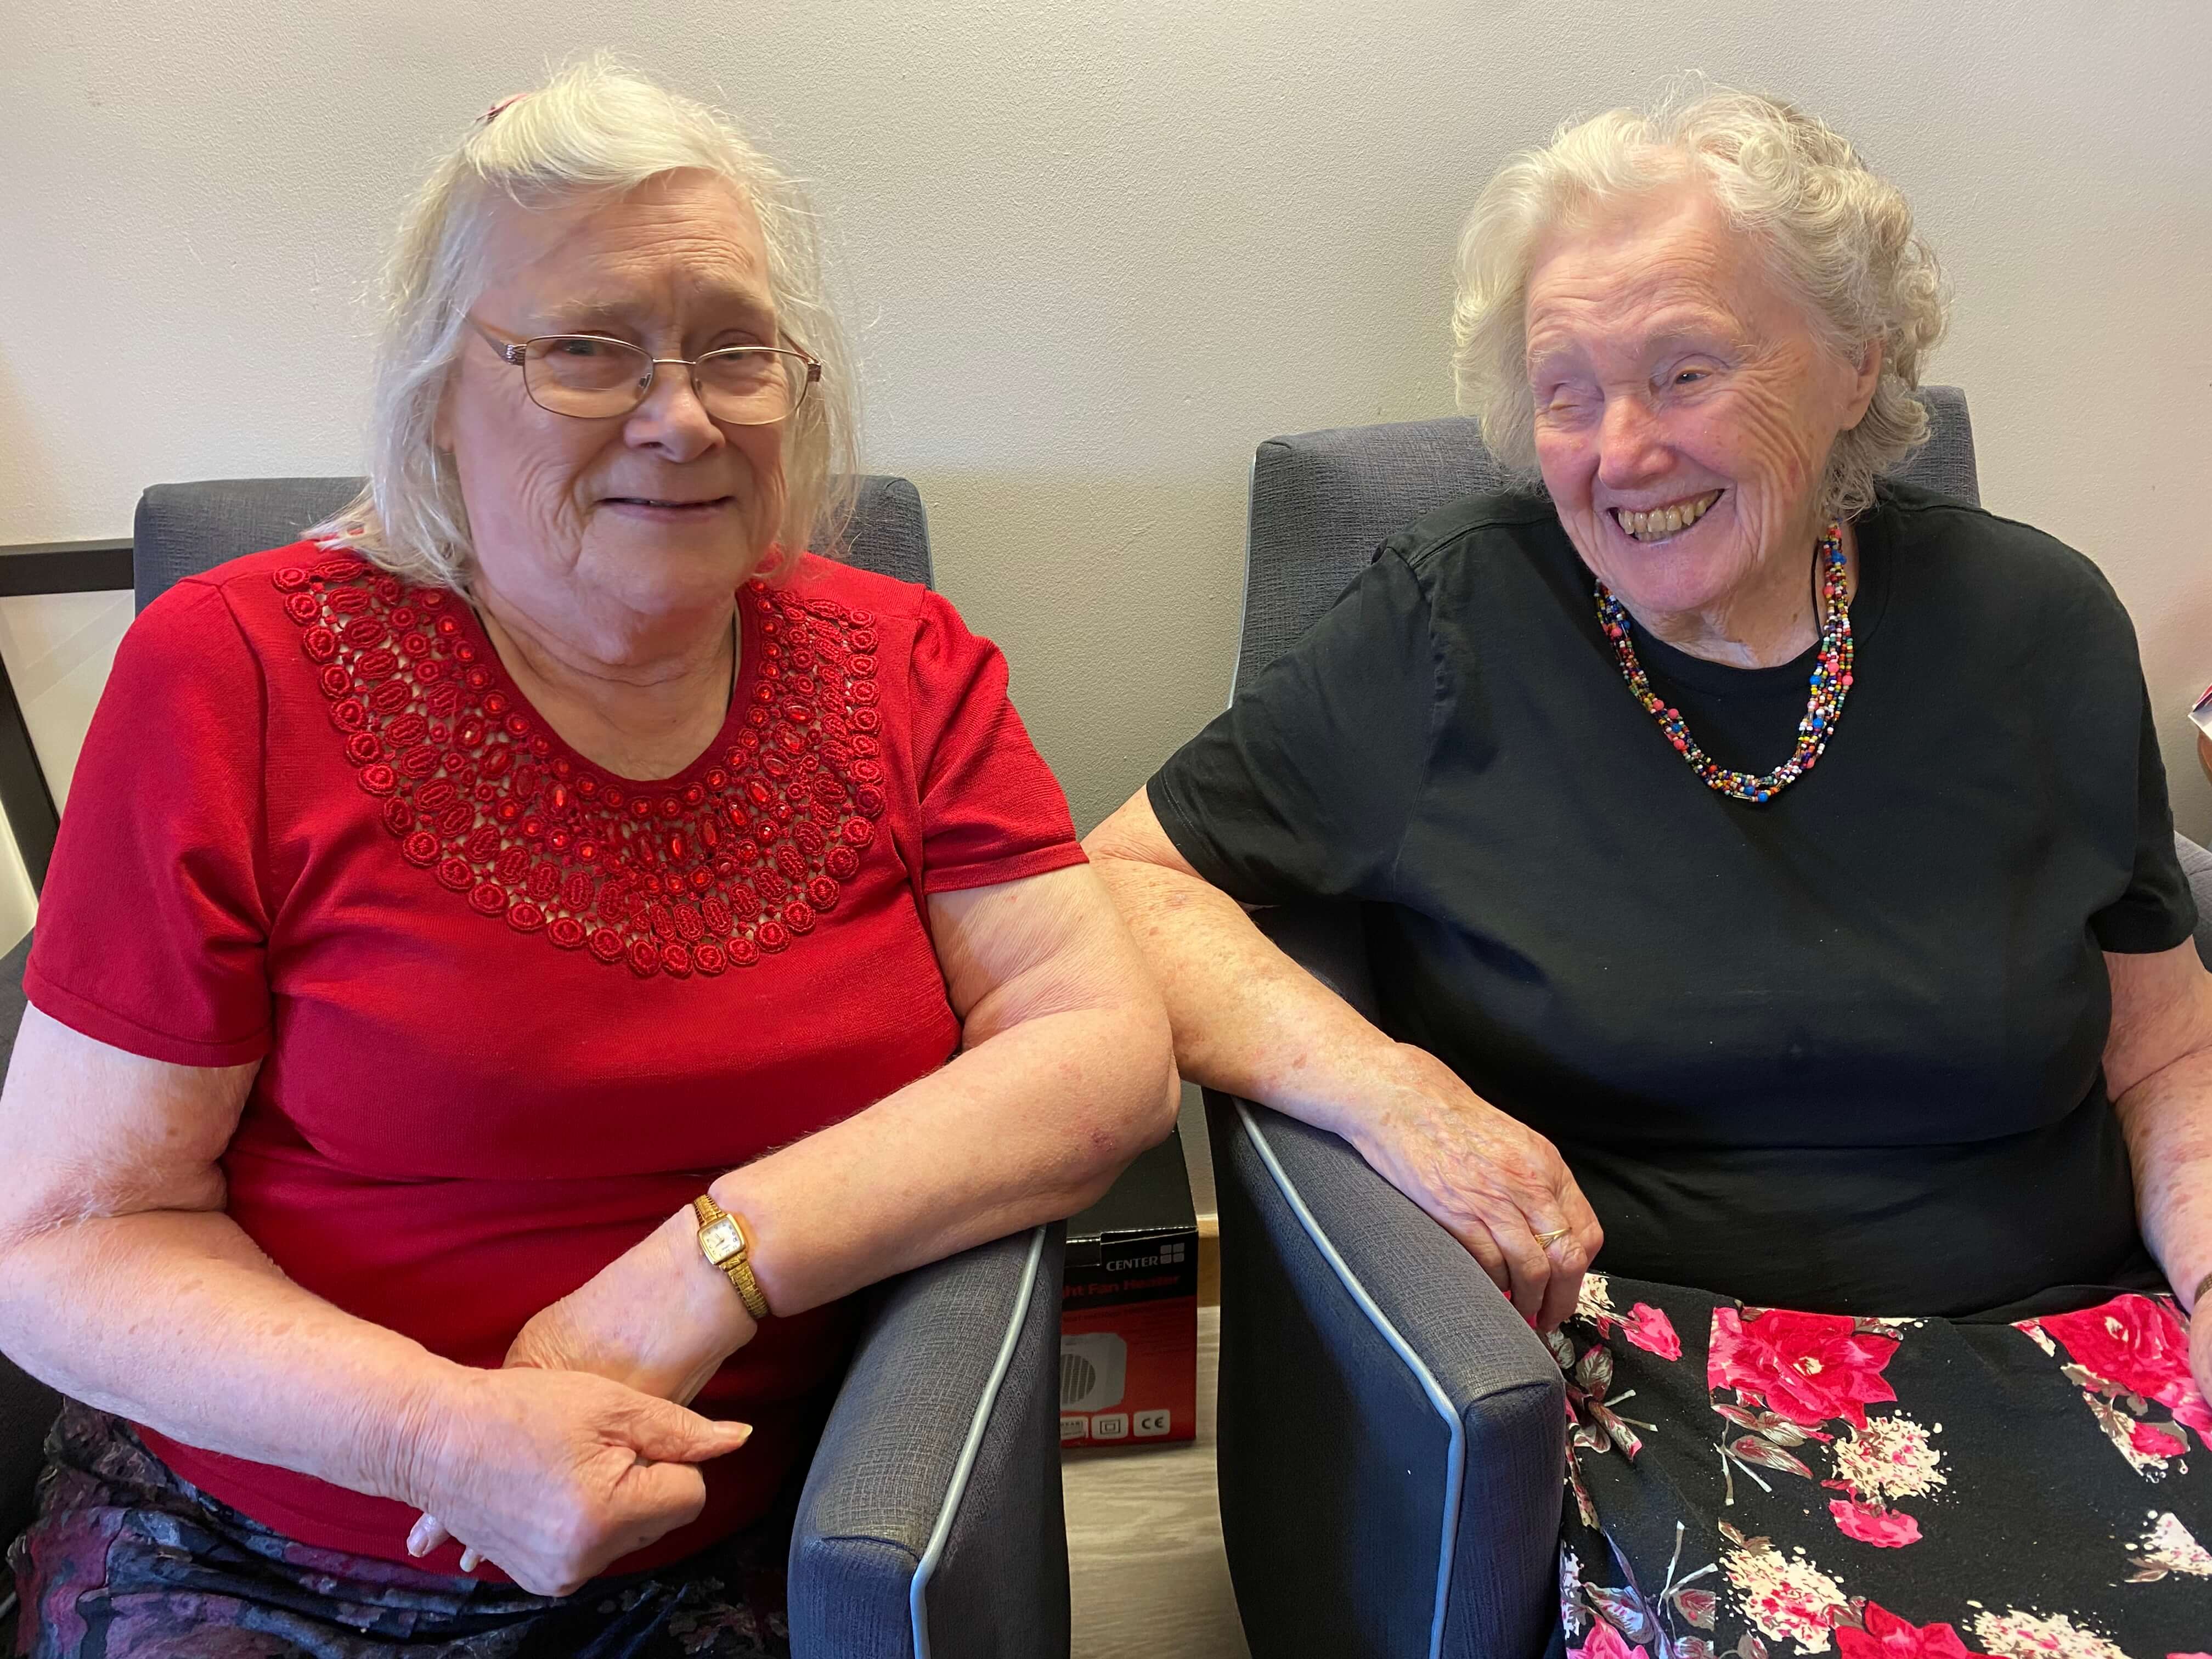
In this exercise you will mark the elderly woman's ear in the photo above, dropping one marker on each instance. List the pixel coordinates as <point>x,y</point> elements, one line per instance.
<point>1866,379</point>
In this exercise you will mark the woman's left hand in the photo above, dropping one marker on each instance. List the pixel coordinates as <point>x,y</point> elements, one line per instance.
<point>658,1318</point>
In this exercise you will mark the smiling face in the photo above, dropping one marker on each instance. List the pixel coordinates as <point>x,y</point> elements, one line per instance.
<point>1684,413</point>
<point>613,532</point>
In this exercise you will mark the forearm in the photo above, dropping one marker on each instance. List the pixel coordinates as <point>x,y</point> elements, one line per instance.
<point>1029,1126</point>
<point>1064,1074</point>
<point>1248,1020</point>
<point>176,1320</point>
<point>2167,1120</point>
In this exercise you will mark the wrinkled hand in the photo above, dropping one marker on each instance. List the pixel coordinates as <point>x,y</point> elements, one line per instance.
<point>656,1319</point>
<point>556,1474</point>
<point>1492,1182</point>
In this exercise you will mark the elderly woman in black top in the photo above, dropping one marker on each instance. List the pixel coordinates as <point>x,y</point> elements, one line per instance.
<point>1768,876</point>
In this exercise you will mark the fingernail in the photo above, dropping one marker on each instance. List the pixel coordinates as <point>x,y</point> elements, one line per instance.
<point>469,1559</point>
<point>416,1541</point>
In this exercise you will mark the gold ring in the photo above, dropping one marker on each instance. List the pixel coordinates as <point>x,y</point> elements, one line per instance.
<point>1552,1238</point>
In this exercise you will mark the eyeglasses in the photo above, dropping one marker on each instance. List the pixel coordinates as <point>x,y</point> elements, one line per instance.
<point>593,378</point>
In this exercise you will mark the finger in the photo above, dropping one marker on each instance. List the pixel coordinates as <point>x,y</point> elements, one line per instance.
<point>655,1498</point>
<point>662,1432</point>
<point>1577,1215</point>
<point>469,1560</point>
<point>1567,1253</point>
<point>1565,1286</point>
<point>1526,1261</point>
<point>1477,1243</point>
<point>426,1534</point>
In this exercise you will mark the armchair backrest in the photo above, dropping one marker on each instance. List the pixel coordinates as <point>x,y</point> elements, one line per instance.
<point>1323,501</point>
<point>185,528</point>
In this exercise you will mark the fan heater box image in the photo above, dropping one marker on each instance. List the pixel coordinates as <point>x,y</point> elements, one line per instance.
<point>1128,1317</point>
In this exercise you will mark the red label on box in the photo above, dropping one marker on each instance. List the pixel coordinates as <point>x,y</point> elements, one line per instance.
<point>1129,1372</point>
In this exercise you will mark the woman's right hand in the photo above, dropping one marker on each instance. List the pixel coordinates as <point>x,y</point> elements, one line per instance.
<point>554,1476</point>
<point>1489,1181</point>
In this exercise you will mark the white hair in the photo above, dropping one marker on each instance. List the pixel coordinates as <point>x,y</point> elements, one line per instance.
<point>595,131</point>
<point>1834,233</point>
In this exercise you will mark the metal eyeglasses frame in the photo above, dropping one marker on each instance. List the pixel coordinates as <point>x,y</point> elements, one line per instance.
<point>517,353</point>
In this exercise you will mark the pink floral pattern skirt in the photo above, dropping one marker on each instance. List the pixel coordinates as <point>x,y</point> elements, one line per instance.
<point>1748,1483</point>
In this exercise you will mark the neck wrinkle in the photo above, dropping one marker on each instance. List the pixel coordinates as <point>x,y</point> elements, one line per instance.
<point>643,721</point>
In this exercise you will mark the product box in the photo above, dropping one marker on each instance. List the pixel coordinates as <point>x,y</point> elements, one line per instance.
<point>1128,1317</point>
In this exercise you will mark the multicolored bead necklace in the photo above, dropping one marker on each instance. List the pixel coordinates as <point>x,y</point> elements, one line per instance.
<point>1831,682</point>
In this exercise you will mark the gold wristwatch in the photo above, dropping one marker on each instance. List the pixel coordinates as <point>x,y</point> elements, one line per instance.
<point>722,1241</point>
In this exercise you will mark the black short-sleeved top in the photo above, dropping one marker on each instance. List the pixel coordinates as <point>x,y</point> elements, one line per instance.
<point>1842,1050</point>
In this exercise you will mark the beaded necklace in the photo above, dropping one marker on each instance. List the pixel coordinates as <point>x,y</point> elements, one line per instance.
<point>1832,681</point>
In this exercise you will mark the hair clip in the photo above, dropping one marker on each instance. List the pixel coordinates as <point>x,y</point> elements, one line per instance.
<point>485,119</point>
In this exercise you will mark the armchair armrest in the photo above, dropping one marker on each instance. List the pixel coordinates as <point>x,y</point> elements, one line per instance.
<point>931,1527</point>
<point>1392,1435</point>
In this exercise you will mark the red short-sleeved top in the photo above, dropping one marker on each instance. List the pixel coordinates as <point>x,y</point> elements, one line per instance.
<point>513,1010</point>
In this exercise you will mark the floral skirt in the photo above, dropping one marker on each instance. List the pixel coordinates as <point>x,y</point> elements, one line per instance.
<point>1748,1482</point>
<point>128,1561</point>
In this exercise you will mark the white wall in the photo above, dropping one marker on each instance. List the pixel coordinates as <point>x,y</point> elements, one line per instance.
<point>1100,251</point>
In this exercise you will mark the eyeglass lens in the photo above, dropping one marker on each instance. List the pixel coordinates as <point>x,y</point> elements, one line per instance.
<point>579,375</point>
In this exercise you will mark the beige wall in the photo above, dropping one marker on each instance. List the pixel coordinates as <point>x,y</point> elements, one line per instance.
<point>1098,251</point>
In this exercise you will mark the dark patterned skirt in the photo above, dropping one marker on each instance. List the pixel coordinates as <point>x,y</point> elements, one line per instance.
<point>1761,1483</point>
<point>127,1561</point>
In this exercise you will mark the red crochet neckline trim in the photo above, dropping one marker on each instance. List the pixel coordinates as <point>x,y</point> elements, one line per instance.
<point>733,859</point>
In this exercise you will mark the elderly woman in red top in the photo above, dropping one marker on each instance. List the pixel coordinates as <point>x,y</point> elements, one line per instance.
<point>446,903</point>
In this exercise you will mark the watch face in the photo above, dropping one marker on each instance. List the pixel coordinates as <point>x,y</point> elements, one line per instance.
<point>721,1240</point>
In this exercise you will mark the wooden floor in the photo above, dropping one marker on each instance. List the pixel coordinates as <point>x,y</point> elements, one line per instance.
<point>1144,1542</point>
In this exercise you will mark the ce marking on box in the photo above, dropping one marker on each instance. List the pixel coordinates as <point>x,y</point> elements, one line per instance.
<point>1148,1425</point>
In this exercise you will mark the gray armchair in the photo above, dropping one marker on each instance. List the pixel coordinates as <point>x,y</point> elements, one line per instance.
<point>1392,1434</point>
<point>930,1525</point>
